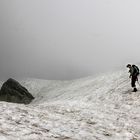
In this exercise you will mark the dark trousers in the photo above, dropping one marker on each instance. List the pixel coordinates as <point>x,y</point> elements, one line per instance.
<point>133,81</point>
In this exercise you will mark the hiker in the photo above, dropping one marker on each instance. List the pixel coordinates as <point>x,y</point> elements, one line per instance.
<point>134,72</point>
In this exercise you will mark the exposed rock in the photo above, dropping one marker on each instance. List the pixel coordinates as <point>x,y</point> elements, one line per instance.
<point>13,91</point>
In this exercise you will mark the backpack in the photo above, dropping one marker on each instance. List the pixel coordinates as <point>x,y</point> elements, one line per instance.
<point>136,70</point>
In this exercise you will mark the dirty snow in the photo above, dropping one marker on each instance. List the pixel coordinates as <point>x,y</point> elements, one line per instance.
<point>91,108</point>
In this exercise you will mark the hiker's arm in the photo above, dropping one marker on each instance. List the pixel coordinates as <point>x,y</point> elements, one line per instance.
<point>131,71</point>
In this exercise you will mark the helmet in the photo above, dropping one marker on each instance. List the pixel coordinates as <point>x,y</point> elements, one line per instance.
<point>128,65</point>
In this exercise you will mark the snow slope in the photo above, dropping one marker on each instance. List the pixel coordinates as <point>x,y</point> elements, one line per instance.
<point>91,108</point>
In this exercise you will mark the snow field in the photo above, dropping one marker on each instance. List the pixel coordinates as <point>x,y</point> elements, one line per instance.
<point>91,108</point>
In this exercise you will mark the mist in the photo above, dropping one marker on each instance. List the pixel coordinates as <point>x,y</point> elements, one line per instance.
<point>67,39</point>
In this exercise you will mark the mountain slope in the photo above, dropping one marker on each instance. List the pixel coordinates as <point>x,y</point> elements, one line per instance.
<point>91,108</point>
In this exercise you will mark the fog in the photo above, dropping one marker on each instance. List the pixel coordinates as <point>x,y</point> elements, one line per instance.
<point>67,39</point>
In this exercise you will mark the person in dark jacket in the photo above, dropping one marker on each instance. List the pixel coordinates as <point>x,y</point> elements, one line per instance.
<point>134,72</point>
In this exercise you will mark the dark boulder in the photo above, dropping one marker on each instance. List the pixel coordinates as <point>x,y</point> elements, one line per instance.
<point>13,91</point>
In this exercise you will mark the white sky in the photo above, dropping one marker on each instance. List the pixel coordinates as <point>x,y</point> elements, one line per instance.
<point>66,39</point>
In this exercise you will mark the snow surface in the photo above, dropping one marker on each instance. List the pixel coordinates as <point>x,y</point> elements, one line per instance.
<point>91,108</point>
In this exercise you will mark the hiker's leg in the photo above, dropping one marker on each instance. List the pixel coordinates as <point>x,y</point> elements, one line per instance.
<point>133,83</point>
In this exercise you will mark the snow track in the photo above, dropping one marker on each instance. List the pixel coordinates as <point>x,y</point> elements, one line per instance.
<point>91,108</point>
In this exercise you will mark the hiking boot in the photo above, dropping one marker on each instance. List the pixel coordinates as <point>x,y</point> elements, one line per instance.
<point>134,90</point>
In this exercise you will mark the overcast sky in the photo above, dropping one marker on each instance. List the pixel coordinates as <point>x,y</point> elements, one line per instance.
<point>67,39</point>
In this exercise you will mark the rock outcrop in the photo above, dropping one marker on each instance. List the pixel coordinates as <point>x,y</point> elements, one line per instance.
<point>13,91</point>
